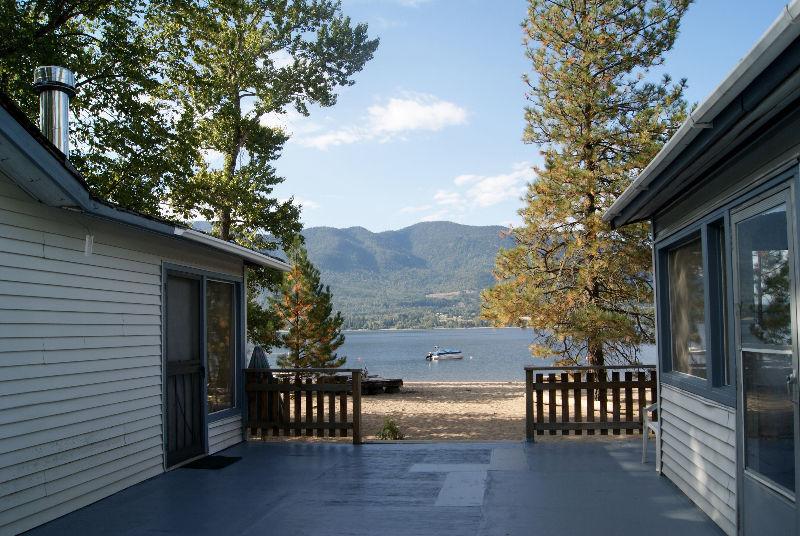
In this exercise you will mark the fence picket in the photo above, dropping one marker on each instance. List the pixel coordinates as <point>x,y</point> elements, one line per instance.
<point>343,413</point>
<point>615,400</point>
<point>577,378</point>
<point>602,375</point>
<point>642,384</point>
<point>628,400</point>
<point>277,404</point>
<point>539,402</point>
<point>286,406</point>
<point>590,377</point>
<point>570,388</point>
<point>309,407</point>
<point>551,402</point>
<point>331,413</point>
<point>564,401</point>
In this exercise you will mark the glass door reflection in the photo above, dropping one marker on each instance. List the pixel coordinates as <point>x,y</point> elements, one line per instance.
<point>765,341</point>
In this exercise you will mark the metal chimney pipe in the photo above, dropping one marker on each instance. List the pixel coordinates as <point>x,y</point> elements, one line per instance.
<point>56,85</point>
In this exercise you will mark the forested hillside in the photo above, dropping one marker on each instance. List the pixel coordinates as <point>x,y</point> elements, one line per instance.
<point>426,275</point>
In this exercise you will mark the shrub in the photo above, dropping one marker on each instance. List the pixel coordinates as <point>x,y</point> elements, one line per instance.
<point>390,431</point>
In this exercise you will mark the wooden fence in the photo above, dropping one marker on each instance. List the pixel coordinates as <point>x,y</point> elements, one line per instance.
<point>584,398</point>
<point>289,402</point>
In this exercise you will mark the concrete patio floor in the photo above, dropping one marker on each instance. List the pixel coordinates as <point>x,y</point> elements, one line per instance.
<point>549,488</point>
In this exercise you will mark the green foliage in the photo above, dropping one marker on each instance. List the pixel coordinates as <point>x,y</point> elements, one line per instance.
<point>231,64</point>
<point>583,286</point>
<point>424,276</point>
<point>126,142</point>
<point>304,309</point>
<point>390,431</point>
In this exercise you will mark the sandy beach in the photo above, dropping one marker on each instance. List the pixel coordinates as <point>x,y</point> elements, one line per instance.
<point>450,411</point>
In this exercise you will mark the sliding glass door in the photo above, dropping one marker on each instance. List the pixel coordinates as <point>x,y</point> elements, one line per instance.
<point>221,345</point>
<point>766,344</point>
<point>203,339</point>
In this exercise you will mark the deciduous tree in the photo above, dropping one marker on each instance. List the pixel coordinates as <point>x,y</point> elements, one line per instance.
<point>233,63</point>
<point>126,141</point>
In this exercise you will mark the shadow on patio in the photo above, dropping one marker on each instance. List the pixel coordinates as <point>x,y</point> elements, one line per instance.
<point>553,488</point>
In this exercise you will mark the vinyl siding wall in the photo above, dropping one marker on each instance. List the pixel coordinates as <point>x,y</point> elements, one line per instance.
<point>80,358</point>
<point>698,452</point>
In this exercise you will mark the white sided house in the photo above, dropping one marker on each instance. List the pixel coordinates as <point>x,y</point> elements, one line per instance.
<point>121,337</point>
<point>723,198</point>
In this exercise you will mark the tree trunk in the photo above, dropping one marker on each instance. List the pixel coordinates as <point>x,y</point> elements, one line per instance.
<point>226,213</point>
<point>594,354</point>
<point>225,224</point>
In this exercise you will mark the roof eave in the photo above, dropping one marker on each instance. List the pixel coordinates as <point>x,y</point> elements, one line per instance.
<point>37,167</point>
<point>247,254</point>
<point>772,43</point>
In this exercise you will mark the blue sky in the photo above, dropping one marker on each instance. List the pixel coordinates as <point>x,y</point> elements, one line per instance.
<point>432,128</point>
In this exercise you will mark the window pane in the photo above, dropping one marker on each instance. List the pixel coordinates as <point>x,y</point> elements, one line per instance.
<point>687,308</point>
<point>766,339</point>
<point>718,263</point>
<point>221,341</point>
<point>183,319</point>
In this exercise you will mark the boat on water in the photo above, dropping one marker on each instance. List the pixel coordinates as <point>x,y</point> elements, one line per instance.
<point>442,354</point>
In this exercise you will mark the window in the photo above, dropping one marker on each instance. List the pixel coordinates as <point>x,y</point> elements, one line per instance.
<point>693,278</point>
<point>718,313</point>
<point>221,345</point>
<point>687,308</point>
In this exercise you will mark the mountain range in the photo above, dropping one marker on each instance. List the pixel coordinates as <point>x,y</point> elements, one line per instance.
<point>427,275</point>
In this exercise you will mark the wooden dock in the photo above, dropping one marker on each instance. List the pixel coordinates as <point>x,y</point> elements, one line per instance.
<point>375,385</point>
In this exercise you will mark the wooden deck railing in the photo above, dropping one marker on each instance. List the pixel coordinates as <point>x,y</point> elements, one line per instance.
<point>584,398</point>
<point>293,402</point>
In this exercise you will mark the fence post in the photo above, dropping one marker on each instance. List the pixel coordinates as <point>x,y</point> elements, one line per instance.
<point>356,407</point>
<point>529,406</point>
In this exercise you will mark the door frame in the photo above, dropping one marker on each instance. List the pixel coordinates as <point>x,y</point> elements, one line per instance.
<point>783,193</point>
<point>204,276</point>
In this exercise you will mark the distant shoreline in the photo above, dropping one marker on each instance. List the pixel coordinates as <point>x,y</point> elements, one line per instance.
<point>430,329</point>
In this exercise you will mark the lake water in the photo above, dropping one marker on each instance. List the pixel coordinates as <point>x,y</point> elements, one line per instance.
<point>489,354</point>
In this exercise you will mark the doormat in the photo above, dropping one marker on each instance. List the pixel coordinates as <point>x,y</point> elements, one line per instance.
<point>212,462</point>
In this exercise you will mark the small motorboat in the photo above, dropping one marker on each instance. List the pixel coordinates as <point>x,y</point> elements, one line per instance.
<point>444,353</point>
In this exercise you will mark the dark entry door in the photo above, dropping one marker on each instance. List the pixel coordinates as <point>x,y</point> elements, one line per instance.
<point>184,369</point>
<point>766,343</point>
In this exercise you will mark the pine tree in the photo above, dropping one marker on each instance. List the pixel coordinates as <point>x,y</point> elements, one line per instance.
<point>585,288</point>
<point>304,308</point>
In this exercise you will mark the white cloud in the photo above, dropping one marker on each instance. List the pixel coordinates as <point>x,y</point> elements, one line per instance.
<point>461,180</point>
<point>307,204</point>
<point>418,208</point>
<point>291,121</point>
<point>444,197</point>
<point>391,120</point>
<point>494,189</point>
<point>476,192</point>
<point>419,112</point>
<point>412,3</point>
<point>443,215</point>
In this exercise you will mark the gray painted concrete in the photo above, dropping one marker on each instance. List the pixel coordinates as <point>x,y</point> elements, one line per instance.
<point>564,487</point>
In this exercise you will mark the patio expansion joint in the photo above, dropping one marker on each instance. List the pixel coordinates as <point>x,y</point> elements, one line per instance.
<point>465,483</point>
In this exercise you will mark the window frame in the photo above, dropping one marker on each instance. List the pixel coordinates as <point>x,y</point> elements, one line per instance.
<point>718,300</point>
<point>239,303</point>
